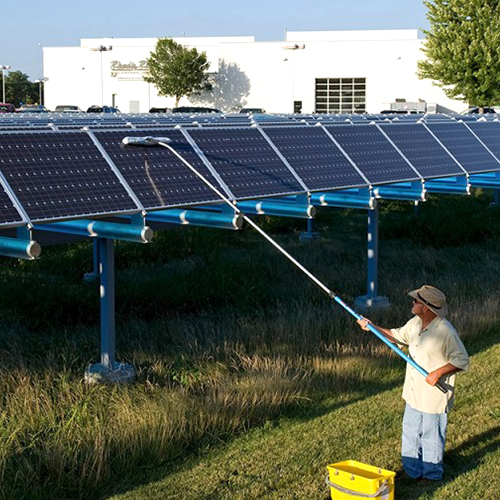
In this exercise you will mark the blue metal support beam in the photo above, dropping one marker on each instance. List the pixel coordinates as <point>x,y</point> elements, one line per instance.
<point>486,180</point>
<point>349,198</point>
<point>19,248</point>
<point>107,292</point>
<point>412,191</point>
<point>372,299</point>
<point>448,185</point>
<point>218,218</point>
<point>108,370</point>
<point>283,209</point>
<point>101,229</point>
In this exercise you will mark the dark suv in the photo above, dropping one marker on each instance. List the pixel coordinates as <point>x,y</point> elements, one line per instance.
<point>102,109</point>
<point>195,109</point>
<point>6,107</point>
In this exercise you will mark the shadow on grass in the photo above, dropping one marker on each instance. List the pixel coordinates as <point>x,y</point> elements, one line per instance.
<point>192,456</point>
<point>459,460</point>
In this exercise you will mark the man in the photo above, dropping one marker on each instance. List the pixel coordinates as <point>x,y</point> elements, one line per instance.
<point>433,344</point>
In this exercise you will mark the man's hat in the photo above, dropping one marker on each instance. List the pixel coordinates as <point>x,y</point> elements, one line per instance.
<point>433,298</point>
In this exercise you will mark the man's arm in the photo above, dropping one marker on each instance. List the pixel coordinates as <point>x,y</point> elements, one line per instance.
<point>433,377</point>
<point>386,332</point>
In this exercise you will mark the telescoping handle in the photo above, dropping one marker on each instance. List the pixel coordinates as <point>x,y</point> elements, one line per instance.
<point>394,347</point>
<point>164,142</point>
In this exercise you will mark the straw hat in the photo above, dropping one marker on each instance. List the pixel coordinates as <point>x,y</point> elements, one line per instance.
<point>433,298</point>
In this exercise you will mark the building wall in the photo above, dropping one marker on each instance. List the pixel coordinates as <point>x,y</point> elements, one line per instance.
<point>246,73</point>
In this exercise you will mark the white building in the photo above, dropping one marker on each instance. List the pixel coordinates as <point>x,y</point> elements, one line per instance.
<point>323,71</point>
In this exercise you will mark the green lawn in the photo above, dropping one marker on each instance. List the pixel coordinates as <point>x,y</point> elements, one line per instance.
<point>287,458</point>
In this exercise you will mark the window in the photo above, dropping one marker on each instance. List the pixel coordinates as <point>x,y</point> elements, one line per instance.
<point>340,95</point>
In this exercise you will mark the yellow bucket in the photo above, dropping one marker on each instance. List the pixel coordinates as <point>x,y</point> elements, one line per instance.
<point>350,480</point>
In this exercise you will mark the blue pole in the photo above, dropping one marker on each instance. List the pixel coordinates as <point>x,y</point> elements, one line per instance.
<point>107,291</point>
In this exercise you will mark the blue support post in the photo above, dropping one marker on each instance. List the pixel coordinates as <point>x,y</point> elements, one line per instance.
<point>90,277</point>
<point>310,234</point>
<point>108,370</point>
<point>496,198</point>
<point>372,299</point>
<point>107,292</point>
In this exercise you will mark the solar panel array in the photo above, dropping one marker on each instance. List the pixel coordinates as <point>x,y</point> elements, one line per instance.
<point>155,175</point>
<point>64,174</point>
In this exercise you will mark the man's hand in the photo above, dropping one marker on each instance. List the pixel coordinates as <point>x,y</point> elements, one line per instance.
<point>363,323</point>
<point>433,377</point>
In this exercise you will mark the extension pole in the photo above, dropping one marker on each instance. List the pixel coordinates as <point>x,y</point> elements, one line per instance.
<point>329,292</point>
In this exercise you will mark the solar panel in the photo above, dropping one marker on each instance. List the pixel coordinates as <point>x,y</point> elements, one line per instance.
<point>423,151</point>
<point>462,144</point>
<point>156,176</point>
<point>8,213</point>
<point>372,153</point>
<point>246,162</point>
<point>57,175</point>
<point>489,133</point>
<point>315,158</point>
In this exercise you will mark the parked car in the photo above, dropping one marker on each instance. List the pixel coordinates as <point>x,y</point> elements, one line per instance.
<point>160,110</point>
<point>6,107</point>
<point>67,108</point>
<point>401,112</point>
<point>252,110</point>
<point>102,109</point>
<point>195,109</point>
<point>32,108</point>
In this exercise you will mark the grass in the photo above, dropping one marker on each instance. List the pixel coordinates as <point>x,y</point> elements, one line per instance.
<point>249,383</point>
<point>287,459</point>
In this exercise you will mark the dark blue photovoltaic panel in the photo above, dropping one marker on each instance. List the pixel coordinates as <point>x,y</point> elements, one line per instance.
<point>422,149</point>
<point>462,144</point>
<point>315,158</point>
<point>246,162</point>
<point>57,175</point>
<point>373,154</point>
<point>157,177</point>
<point>8,212</point>
<point>489,133</point>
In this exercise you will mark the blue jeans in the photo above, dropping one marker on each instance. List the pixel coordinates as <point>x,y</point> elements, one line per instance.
<point>422,447</point>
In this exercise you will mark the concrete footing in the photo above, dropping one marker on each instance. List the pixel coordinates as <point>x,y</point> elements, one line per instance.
<point>118,373</point>
<point>309,236</point>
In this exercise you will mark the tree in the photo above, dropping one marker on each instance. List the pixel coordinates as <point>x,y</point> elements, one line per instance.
<point>177,71</point>
<point>462,49</point>
<point>18,89</point>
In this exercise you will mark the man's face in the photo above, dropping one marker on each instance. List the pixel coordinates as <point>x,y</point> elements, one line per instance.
<point>418,308</point>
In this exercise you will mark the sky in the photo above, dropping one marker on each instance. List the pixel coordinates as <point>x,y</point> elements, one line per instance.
<point>28,25</point>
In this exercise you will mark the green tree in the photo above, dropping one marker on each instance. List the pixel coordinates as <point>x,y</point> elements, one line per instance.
<point>18,89</point>
<point>462,49</point>
<point>177,71</point>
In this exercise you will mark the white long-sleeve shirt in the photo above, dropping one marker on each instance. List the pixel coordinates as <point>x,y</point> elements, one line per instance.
<point>431,348</point>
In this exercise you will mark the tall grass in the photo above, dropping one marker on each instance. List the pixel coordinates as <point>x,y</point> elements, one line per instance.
<point>224,333</point>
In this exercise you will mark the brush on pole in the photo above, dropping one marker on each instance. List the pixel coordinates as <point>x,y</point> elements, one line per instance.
<point>164,142</point>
